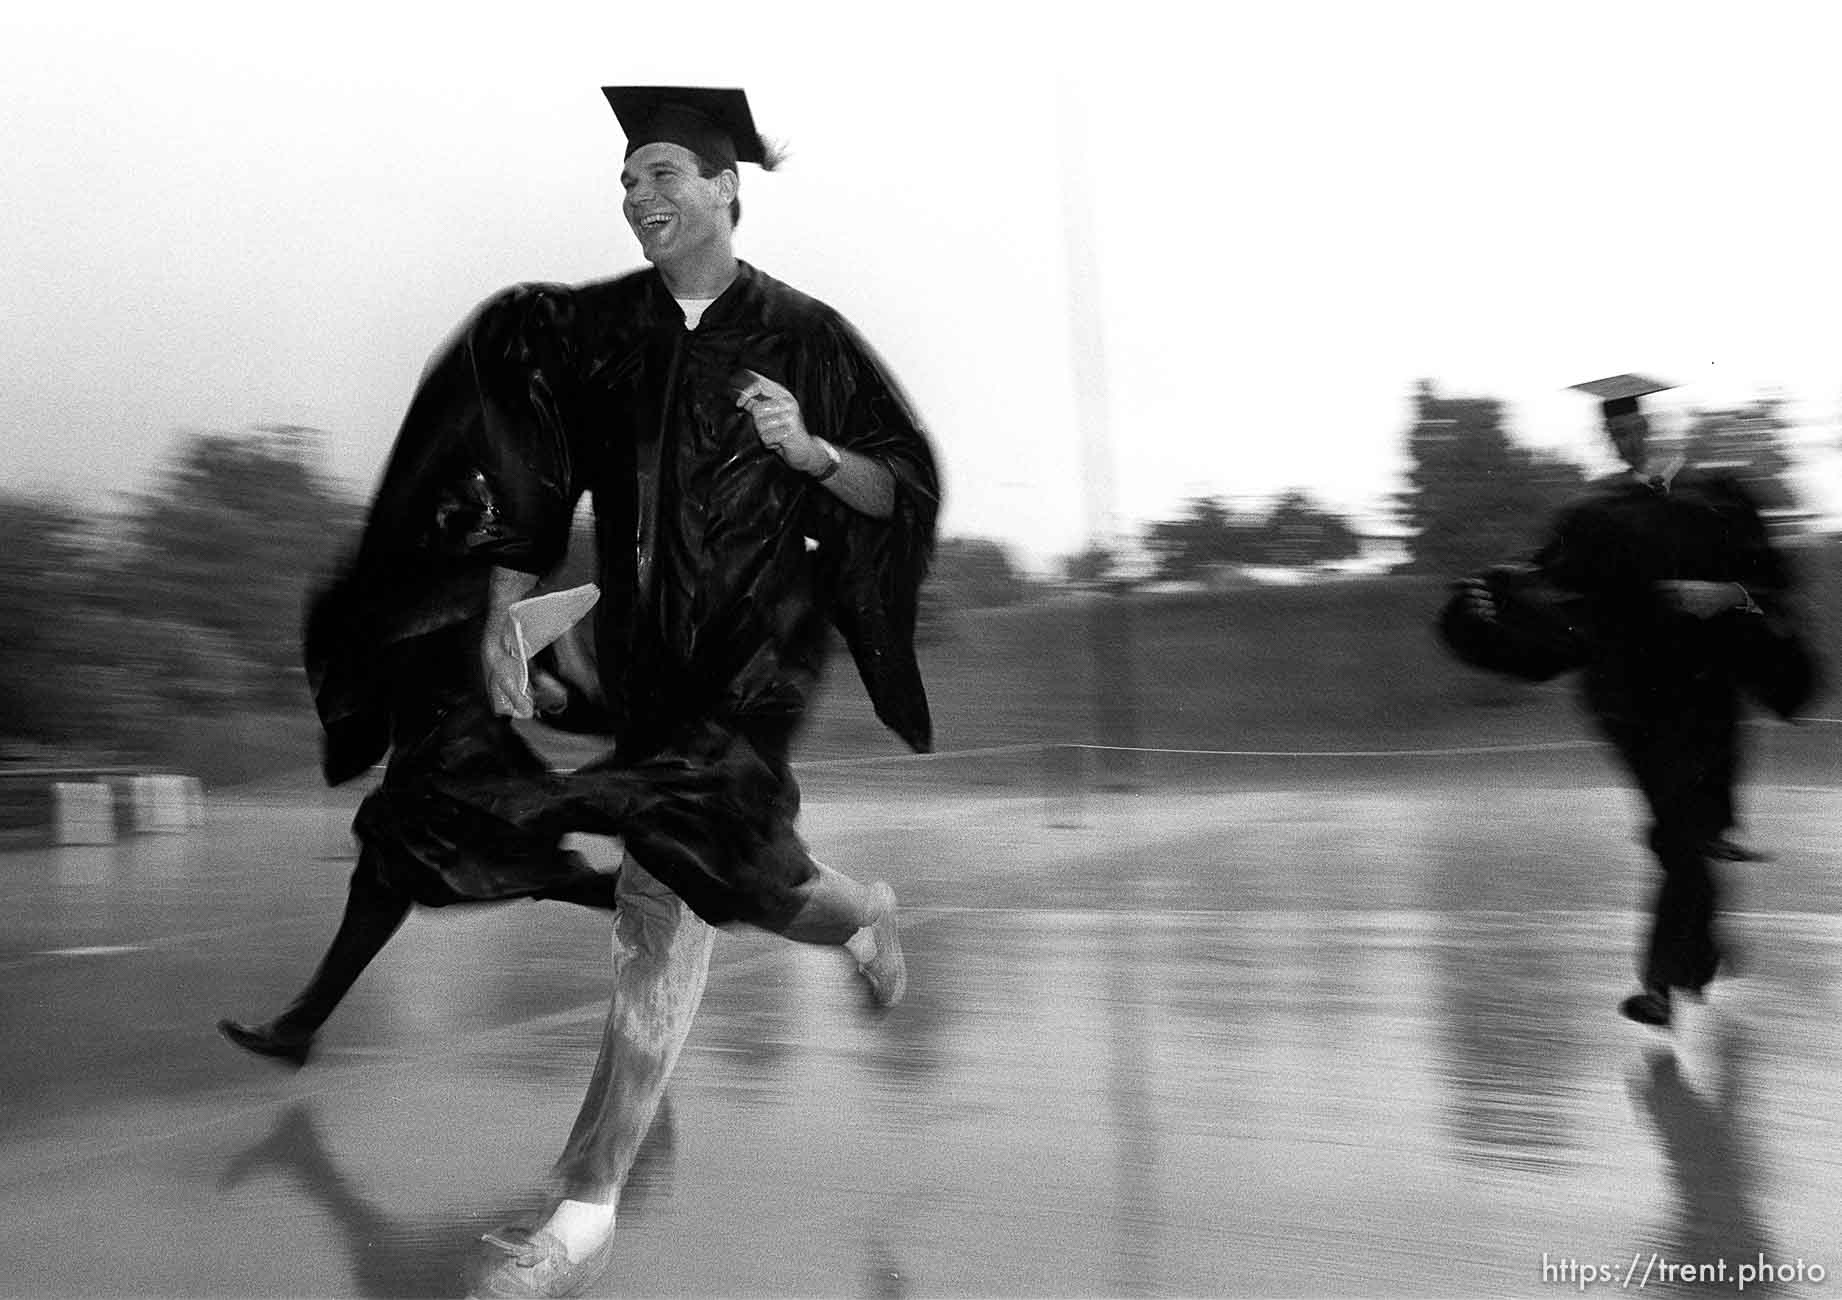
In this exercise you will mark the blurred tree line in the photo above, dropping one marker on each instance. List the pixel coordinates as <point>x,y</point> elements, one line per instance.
<point>122,625</point>
<point>1211,535</point>
<point>118,626</point>
<point>1474,496</point>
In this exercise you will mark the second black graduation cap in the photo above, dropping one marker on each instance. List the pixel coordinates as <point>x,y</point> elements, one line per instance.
<point>1619,394</point>
<point>715,124</point>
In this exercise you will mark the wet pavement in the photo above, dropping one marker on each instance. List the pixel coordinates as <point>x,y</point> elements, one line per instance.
<point>1252,1029</point>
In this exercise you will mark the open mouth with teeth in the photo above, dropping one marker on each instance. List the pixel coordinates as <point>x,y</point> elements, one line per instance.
<point>655,221</point>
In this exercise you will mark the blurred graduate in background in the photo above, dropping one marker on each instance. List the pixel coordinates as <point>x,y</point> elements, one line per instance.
<point>1662,586</point>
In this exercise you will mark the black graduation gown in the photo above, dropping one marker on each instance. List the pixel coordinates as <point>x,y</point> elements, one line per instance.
<point>721,569</point>
<point>719,564</point>
<point>1665,686</point>
<point>478,478</point>
<point>1646,662</point>
<point>709,636</point>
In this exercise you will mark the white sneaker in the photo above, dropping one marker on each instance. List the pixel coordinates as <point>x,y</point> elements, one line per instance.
<point>533,1265</point>
<point>883,968</point>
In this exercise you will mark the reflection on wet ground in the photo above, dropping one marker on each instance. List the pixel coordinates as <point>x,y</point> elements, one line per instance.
<point>391,1253</point>
<point>1331,1040</point>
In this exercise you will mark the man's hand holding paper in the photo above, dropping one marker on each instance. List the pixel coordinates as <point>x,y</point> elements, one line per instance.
<point>529,626</point>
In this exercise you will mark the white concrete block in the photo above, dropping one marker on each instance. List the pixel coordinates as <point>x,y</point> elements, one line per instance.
<point>83,812</point>
<point>162,804</point>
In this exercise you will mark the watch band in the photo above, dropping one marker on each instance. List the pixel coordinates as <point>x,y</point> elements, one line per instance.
<point>834,459</point>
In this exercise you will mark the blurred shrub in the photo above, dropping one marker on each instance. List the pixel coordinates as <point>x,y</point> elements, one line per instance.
<point>42,547</point>
<point>118,631</point>
<point>1096,565</point>
<point>218,558</point>
<point>1474,497</point>
<point>1210,536</point>
<point>968,573</point>
<point>1749,442</point>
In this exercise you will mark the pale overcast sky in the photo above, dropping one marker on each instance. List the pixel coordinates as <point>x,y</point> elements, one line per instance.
<point>215,217</point>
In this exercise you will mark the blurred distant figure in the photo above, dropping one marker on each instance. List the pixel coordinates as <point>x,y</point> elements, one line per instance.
<point>1662,585</point>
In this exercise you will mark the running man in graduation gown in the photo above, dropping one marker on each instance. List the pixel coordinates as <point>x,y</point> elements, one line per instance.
<point>755,479</point>
<point>393,651</point>
<point>1674,576</point>
<point>757,475</point>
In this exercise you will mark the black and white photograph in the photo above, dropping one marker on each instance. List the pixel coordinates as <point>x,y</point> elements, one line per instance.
<point>953,650</point>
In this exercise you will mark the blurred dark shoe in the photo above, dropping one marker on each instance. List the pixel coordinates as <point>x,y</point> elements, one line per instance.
<point>1722,849</point>
<point>289,1049</point>
<point>536,1265</point>
<point>1720,963</point>
<point>886,973</point>
<point>1650,1007</point>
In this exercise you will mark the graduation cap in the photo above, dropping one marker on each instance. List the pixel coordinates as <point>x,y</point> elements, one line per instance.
<point>1618,394</point>
<point>714,124</point>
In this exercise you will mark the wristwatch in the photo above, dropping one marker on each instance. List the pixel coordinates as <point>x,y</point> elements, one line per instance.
<point>833,459</point>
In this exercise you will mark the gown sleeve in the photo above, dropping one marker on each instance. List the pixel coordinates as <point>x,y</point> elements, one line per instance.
<point>1538,627</point>
<point>1759,566</point>
<point>872,569</point>
<point>480,477</point>
<point>1775,659</point>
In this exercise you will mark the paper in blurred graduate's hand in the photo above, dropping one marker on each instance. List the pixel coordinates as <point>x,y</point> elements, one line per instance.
<point>537,621</point>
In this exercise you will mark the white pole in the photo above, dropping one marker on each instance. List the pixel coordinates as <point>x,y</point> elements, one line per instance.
<point>1087,338</point>
<point>1115,689</point>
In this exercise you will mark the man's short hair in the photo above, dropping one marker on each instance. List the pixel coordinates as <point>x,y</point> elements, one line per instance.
<point>709,169</point>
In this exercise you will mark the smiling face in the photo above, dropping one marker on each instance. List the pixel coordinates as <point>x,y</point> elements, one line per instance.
<point>678,215</point>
